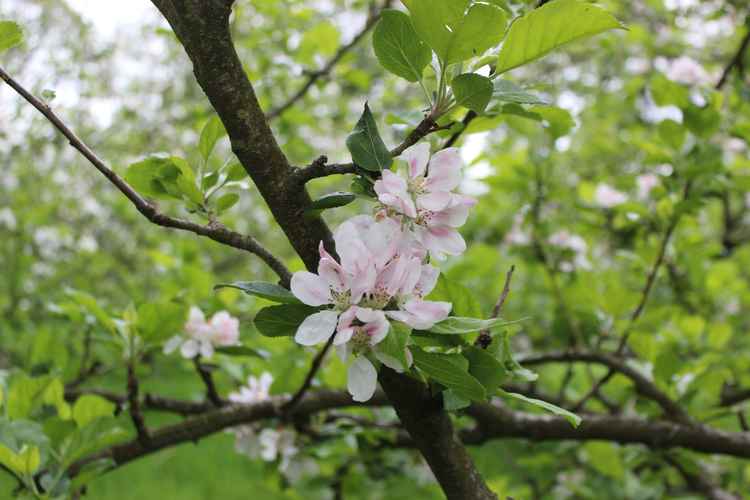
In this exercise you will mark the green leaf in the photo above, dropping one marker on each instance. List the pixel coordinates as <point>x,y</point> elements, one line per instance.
<point>332,200</point>
<point>511,365</point>
<point>241,350</point>
<point>366,146</point>
<point>482,28</point>
<point>235,172</point>
<point>605,458</point>
<point>435,21</point>
<point>90,407</point>
<point>455,325</point>
<point>157,177</point>
<point>265,290</point>
<point>397,46</point>
<point>322,39</point>
<point>557,121</point>
<point>450,370</point>
<point>394,344</point>
<point>26,394</point>
<point>453,402</point>
<point>158,321</point>
<point>22,463</point>
<point>99,433</point>
<point>507,91</point>
<point>485,367</point>
<point>212,131</point>
<point>283,320</point>
<point>463,300</point>
<point>574,419</point>
<point>472,91</point>
<point>550,26</point>
<point>227,201</point>
<point>672,133</point>
<point>209,181</point>
<point>10,35</point>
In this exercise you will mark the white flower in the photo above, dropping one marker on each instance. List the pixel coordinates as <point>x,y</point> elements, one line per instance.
<point>608,197</point>
<point>8,218</point>
<point>201,336</point>
<point>687,71</point>
<point>646,183</point>
<point>256,390</point>
<point>576,244</point>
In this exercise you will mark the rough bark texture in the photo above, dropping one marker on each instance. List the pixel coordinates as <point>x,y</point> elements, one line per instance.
<point>432,431</point>
<point>202,26</point>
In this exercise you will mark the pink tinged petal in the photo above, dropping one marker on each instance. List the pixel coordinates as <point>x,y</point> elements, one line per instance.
<point>361,379</point>
<point>317,328</point>
<point>444,239</point>
<point>416,157</point>
<point>444,173</point>
<point>363,282</point>
<point>427,280</point>
<point>455,214</point>
<point>343,336</point>
<point>394,183</point>
<point>310,288</point>
<point>225,328</point>
<point>376,325</point>
<point>426,313</point>
<point>435,201</point>
<point>196,321</point>
<point>411,277</point>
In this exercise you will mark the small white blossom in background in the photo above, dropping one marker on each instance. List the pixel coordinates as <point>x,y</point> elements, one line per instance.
<point>646,183</point>
<point>688,71</point>
<point>201,337</point>
<point>8,218</point>
<point>517,235</point>
<point>256,390</point>
<point>606,196</point>
<point>565,240</point>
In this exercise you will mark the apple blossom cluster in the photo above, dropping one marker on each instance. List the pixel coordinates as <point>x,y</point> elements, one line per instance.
<point>270,443</point>
<point>201,337</point>
<point>383,273</point>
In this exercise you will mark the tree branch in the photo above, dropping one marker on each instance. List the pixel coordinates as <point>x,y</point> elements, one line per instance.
<point>134,407</point>
<point>736,61</point>
<point>214,230</point>
<point>314,368</point>
<point>323,72</point>
<point>485,339</point>
<point>208,380</point>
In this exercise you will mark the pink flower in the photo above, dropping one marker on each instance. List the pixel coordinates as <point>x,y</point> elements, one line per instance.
<point>225,328</point>
<point>423,195</point>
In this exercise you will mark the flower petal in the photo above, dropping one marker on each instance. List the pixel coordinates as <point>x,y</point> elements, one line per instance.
<point>316,328</point>
<point>361,379</point>
<point>443,239</point>
<point>444,172</point>
<point>172,344</point>
<point>189,348</point>
<point>427,280</point>
<point>310,288</point>
<point>425,313</point>
<point>435,200</point>
<point>416,157</point>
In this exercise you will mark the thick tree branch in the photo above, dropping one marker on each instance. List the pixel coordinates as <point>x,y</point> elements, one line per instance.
<point>325,71</point>
<point>214,230</point>
<point>134,407</point>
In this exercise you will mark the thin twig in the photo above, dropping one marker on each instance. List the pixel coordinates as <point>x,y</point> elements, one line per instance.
<point>317,362</point>
<point>214,230</point>
<point>485,339</point>
<point>735,62</point>
<point>134,407</point>
<point>314,76</point>
<point>456,135</point>
<point>208,380</point>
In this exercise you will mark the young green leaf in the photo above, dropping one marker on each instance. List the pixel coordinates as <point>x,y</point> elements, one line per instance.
<point>10,35</point>
<point>241,351</point>
<point>283,320</point>
<point>511,365</point>
<point>463,300</point>
<point>455,325</point>
<point>89,407</point>
<point>450,370</point>
<point>550,26</point>
<point>481,28</point>
<point>472,91</point>
<point>235,172</point>
<point>226,201</point>
<point>507,91</point>
<point>262,289</point>
<point>212,131</point>
<point>397,46</point>
<point>435,21</point>
<point>453,402</point>
<point>574,419</point>
<point>157,321</point>
<point>366,146</point>
<point>332,200</point>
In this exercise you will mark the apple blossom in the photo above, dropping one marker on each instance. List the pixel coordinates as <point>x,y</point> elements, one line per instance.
<point>423,198</point>
<point>688,71</point>
<point>201,336</point>
<point>256,390</point>
<point>608,197</point>
<point>565,240</point>
<point>646,183</point>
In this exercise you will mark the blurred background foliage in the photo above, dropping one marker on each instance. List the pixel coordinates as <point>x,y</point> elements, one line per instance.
<point>624,112</point>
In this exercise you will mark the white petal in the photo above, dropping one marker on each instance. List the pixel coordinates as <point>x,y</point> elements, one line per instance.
<point>427,280</point>
<point>317,328</point>
<point>389,361</point>
<point>416,157</point>
<point>362,379</point>
<point>172,344</point>
<point>444,239</point>
<point>206,349</point>
<point>189,349</point>
<point>435,201</point>
<point>310,288</point>
<point>426,313</point>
